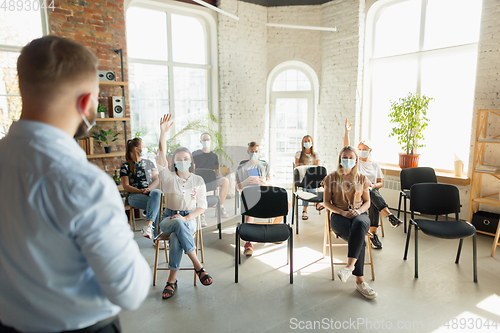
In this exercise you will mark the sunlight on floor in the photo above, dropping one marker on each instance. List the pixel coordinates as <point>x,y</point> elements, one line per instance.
<point>464,322</point>
<point>491,304</point>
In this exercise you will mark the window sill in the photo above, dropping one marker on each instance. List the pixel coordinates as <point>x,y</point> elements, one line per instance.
<point>442,177</point>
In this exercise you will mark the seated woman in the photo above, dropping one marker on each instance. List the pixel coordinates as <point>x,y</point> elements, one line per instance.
<point>347,196</point>
<point>139,177</point>
<point>185,199</point>
<point>374,174</point>
<point>307,156</point>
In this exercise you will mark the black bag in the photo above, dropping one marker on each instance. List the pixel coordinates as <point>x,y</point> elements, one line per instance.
<point>485,221</point>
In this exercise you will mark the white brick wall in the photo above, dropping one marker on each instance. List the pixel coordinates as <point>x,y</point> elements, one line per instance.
<point>487,90</point>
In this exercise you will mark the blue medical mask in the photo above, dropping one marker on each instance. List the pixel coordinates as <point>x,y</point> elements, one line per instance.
<point>363,153</point>
<point>206,144</point>
<point>348,163</point>
<point>254,156</point>
<point>183,166</point>
<point>307,145</point>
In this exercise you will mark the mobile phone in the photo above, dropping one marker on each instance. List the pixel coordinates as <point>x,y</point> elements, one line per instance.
<point>254,172</point>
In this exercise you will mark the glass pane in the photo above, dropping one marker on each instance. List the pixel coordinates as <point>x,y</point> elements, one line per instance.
<point>18,27</point>
<point>10,100</point>
<point>392,79</point>
<point>448,77</point>
<point>291,123</point>
<point>188,40</point>
<point>191,102</point>
<point>291,80</point>
<point>146,34</point>
<point>149,100</point>
<point>447,27</point>
<point>397,29</point>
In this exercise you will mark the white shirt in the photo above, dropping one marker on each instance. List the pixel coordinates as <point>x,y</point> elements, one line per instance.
<point>183,194</point>
<point>318,156</point>
<point>68,258</point>
<point>371,170</point>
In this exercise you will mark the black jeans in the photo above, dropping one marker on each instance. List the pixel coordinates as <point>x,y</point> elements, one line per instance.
<point>110,325</point>
<point>377,204</point>
<point>353,232</point>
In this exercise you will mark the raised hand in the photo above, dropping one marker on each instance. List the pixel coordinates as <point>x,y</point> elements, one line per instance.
<point>347,125</point>
<point>165,123</point>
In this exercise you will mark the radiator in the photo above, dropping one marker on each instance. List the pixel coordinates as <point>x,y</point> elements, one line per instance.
<point>390,192</point>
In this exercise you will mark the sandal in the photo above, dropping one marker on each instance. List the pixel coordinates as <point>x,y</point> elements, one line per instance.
<point>169,292</point>
<point>304,215</point>
<point>205,277</point>
<point>320,208</point>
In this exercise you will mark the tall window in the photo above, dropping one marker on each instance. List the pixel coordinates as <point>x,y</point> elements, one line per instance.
<point>169,72</point>
<point>291,118</point>
<point>429,47</point>
<point>16,30</point>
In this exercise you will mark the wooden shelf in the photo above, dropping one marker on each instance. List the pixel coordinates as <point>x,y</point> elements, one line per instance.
<point>113,83</point>
<point>112,154</point>
<point>487,201</point>
<point>488,140</point>
<point>112,119</point>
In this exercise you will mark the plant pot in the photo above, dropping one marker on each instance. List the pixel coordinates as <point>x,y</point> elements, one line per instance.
<point>103,114</point>
<point>408,161</point>
<point>107,150</point>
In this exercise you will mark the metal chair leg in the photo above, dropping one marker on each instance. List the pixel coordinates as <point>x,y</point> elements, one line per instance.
<point>290,242</point>
<point>416,252</point>
<point>474,257</point>
<point>405,216</point>
<point>407,242</point>
<point>236,253</point>
<point>459,250</point>
<point>399,204</point>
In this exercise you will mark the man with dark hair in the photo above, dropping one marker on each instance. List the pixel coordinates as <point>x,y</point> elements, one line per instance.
<point>206,159</point>
<point>68,259</point>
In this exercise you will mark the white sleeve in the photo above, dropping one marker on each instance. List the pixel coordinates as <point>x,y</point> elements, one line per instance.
<point>297,154</point>
<point>317,155</point>
<point>201,193</point>
<point>378,170</point>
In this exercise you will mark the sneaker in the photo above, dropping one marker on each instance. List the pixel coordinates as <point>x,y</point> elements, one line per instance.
<point>162,245</point>
<point>203,221</point>
<point>223,212</point>
<point>366,290</point>
<point>394,221</point>
<point>147,231</point>
<point>376,244</point>
<point>248,249</point>
<point>344,274</point>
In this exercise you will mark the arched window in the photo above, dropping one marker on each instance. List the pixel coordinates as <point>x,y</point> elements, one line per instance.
<point>19,27</point>
<point>169,71</point>
<point>428,47</point>
<point>292,103</point>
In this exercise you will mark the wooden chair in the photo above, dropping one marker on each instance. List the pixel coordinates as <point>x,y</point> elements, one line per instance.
<point>381,224</point>
<point>198,239</point>
<point>330,243</point>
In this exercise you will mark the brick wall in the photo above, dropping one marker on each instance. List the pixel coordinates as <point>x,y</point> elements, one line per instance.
<point>100,26</point>
<point>487,91</point>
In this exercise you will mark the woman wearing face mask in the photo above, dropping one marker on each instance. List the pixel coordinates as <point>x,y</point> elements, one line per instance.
<point>308,156</point>
<point>374,174</point>
<point>185,199</point>
<point>139,177</point>
<point>348,197</point>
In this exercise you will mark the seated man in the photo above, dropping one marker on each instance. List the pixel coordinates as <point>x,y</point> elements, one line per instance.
<point>253,172</point>
<point>206,159</point>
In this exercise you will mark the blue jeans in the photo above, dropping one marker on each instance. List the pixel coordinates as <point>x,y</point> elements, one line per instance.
<point>310,190</point>
<point>180,234</point>
<point>148,202</point>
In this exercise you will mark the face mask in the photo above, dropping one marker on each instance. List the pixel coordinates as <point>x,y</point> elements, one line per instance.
<point>307,145</point>
<point>206,144</point>
<point>363,153</point>
<point>183,166</point>
<point>144,152</point>
<point>254,156</point>
<point>347,163</point>
<point>89,125</point>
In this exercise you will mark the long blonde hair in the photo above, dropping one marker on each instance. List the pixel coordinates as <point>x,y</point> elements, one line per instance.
<point>303,157</point>
<point>356,175</point>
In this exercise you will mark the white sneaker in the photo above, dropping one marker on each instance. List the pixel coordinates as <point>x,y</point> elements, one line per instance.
<point>162,244</point>
<point>366,290</point>
<point>223,211</point>
<point>147,231</point>
<point>203,221</point>
<point>344,274</point>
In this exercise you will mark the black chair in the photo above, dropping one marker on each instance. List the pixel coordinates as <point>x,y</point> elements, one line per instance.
<point>409,177</point>
<point>312,180</point>
<point>237,191</point>
<point>439,199</point>
<point>213,200</point>
<point>263,202</point>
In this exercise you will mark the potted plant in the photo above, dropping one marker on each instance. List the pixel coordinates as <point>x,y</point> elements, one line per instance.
<point>409,115</point>
<point>101,108</point>
<point>104,138</point>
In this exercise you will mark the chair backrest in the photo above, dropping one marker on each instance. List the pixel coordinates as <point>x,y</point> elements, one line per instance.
<point>264,202</point>
<point>209,177</point>
<point>434,199</point>
<point>312,179</point>
<point>411,176</point>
